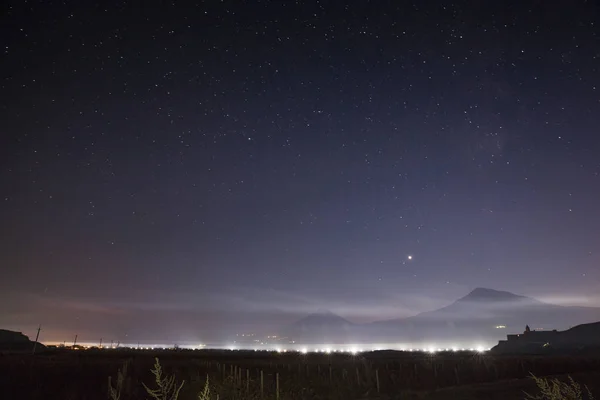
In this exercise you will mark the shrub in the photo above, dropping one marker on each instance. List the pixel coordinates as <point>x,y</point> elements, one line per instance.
<point>205,394</point>
<point>166,388</point>
<point>114,393</point>
<point>553,389</point>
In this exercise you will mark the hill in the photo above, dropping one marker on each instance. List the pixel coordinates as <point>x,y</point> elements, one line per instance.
<point>578,338</point>
<point>11,341</point>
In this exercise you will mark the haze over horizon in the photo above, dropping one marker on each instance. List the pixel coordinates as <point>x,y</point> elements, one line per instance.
<point>178,173</point>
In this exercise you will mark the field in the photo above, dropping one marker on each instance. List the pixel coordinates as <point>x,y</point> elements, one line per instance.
<point>70,375</point>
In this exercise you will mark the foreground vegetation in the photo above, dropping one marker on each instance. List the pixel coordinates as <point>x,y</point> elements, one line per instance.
<point>554,389</point>
<point>132,375</point>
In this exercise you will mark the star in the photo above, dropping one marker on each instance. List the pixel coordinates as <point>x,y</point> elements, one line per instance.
<point>260,168</point>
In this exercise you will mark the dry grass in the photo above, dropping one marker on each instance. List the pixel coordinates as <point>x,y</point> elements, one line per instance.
<point>166,386</point>
<point>115,393</point>
<point>554,389</point>
<point>205,394</point>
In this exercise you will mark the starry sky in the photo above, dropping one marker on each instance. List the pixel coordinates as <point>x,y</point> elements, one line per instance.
<point>179,171</point>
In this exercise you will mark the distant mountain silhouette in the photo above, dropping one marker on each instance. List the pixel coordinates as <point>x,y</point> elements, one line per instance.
<point>483,316</point>
<point>491,295</point>
<point>321,327</point>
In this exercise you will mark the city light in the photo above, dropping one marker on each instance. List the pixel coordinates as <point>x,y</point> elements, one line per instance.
<point>350,349</point>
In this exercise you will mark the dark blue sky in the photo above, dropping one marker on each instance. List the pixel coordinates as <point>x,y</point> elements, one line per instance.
<point>193,168</point>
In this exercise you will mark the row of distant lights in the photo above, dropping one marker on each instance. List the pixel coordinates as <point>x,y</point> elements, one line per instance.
<point>200,347</point>
<point>431,350</point>
<point>127,347</point>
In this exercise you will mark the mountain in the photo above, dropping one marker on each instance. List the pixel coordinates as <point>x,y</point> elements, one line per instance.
<point>482,317</point>
<point>485,316</point>
<point>323,327</point>
<point>491,295</point>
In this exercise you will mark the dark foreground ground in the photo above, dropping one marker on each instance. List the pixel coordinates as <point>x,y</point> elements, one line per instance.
<point>70,375</point>
<point>503,389</point>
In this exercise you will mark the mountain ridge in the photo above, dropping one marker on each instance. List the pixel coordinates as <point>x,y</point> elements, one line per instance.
<point>486,294</point>
<point>482,315</point>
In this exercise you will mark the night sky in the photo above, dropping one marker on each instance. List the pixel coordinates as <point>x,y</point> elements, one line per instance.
<point>178,172</point>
